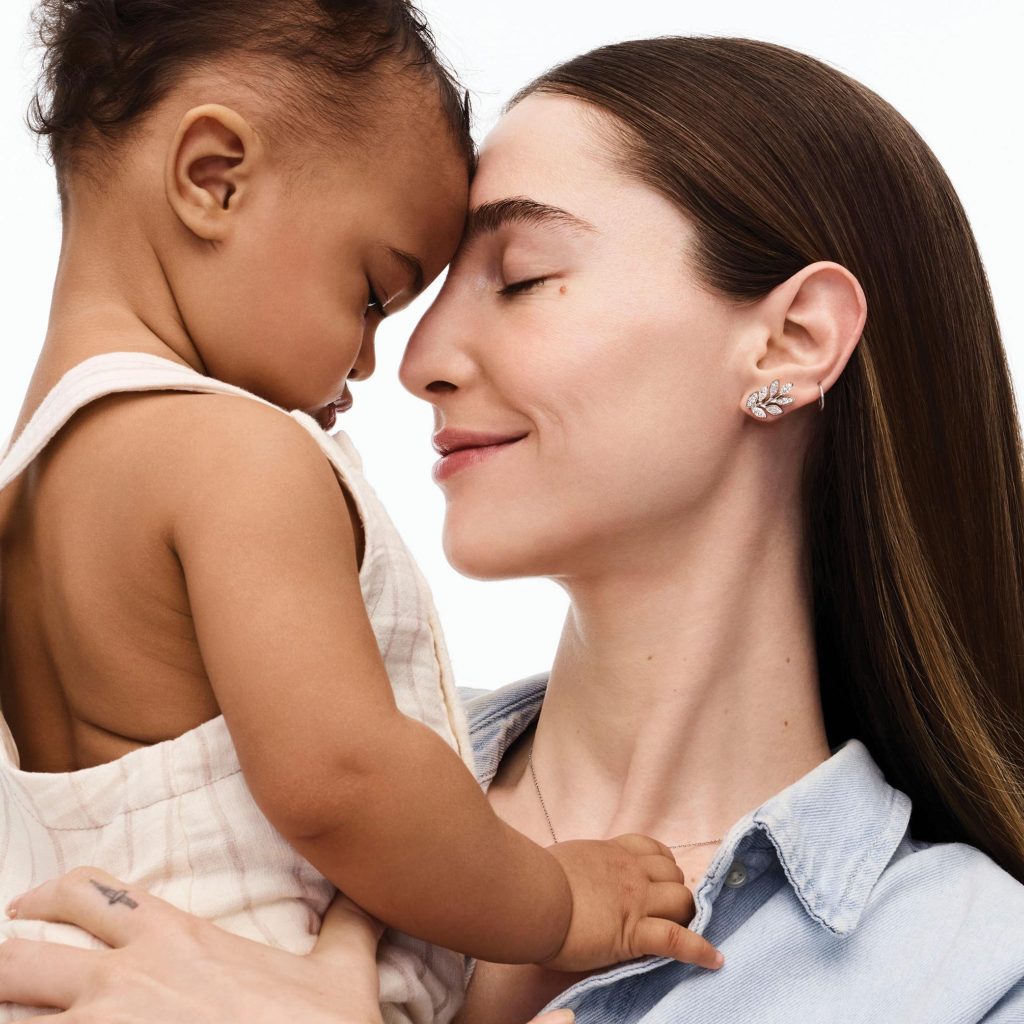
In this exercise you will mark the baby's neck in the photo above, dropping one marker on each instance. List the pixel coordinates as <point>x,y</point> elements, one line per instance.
<point>111,294</point>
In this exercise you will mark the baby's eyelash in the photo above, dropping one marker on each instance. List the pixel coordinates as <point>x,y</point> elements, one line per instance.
<point>519,287</point>
<point>375,303</point>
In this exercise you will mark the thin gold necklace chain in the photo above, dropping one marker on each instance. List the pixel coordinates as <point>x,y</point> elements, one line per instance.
<point>551,828</point>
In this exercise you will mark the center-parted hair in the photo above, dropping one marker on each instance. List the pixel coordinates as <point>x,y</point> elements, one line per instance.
<point>913,492</point>
<point>107,63</point>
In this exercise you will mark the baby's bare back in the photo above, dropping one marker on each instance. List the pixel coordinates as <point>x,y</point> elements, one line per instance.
<point>99,651</point>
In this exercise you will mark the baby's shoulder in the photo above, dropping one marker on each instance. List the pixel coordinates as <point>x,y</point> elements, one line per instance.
<point>154,428</point>
<point>223,440</point>
<point>202,454</point>
<point>194,422</point>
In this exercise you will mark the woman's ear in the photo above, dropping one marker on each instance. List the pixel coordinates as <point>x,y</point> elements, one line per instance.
<point>210,168</point>
<point>808,327</point>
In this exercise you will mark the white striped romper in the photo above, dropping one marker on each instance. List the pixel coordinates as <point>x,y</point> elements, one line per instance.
<point>177,818</point>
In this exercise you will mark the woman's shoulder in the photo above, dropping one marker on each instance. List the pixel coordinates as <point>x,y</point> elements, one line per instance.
<point>960,884</point>
<point>952,917</point>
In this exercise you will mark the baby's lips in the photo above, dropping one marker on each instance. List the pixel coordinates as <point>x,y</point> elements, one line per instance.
<point>327,416</point>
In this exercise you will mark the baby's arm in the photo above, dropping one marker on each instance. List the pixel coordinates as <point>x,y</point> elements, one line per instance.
<point>375,800</point>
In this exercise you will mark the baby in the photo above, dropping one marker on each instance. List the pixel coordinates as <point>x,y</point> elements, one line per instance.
<point>221,672</point>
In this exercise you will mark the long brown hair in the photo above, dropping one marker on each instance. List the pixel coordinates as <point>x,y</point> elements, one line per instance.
<point>913,484</point>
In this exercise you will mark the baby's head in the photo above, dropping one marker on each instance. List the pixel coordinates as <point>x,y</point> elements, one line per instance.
<point>275,175</point>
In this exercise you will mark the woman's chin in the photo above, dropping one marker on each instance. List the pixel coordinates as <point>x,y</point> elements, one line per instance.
<point>482,568</point>
<point>482,557</point>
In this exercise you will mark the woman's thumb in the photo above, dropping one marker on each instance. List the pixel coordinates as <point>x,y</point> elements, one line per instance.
<point>347,928</point>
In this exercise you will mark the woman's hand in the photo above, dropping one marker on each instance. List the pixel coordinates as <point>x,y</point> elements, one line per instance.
<point>167,966</point>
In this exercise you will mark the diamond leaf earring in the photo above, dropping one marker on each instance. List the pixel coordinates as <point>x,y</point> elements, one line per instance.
<point>769,399</point>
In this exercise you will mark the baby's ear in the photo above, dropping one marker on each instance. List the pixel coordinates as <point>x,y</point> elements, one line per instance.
<point>209,169</point>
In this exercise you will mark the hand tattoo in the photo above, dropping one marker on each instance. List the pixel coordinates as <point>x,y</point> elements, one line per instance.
<point>115,895</point>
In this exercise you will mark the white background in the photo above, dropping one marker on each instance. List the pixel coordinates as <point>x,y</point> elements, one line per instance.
<point>952,68</point>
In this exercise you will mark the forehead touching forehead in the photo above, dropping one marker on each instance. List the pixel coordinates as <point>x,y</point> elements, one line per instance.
<point>423,174</point>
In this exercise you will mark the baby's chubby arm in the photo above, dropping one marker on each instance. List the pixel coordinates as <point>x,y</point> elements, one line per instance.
<point>377,801</point>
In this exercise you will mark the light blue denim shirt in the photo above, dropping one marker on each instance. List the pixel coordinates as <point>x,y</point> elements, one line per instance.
<point>825,909</point>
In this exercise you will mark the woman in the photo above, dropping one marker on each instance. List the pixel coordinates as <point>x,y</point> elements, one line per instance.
<point>696,361</point>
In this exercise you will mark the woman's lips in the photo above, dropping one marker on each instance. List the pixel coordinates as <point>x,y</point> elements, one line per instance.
<point>462,448</point>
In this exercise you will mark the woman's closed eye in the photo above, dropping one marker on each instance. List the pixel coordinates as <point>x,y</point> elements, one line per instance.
<point>520,287</point>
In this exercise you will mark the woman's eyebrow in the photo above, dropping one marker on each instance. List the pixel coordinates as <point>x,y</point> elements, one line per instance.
<point>492,216</point>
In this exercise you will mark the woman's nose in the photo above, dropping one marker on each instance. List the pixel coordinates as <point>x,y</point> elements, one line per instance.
<point>435,362</point>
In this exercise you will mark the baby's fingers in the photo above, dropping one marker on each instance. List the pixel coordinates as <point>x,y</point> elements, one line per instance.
<point>655,936</point>
<point>671,900</point>
<point>662,869</point>
<point>640,845</point>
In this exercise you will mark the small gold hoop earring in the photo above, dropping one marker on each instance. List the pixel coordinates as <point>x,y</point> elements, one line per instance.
<point>821,397</point>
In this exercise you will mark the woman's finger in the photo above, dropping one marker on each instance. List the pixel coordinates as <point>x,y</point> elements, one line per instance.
<point>347,928</point>
<point>656,936</point>
<point>44,973</point>
<point>90,898</point>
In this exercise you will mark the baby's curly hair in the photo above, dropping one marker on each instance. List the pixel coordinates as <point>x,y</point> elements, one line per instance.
<point>108,62</point>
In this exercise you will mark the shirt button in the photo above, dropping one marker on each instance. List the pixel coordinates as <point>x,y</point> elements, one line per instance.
<point>737,874</point>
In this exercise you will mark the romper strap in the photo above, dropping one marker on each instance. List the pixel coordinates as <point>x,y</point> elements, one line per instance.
<point>95,377</point>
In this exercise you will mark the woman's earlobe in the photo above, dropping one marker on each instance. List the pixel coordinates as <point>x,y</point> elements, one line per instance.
<point>771,399</point>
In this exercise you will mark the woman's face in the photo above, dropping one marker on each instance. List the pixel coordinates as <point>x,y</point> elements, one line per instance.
<point>572,327</point>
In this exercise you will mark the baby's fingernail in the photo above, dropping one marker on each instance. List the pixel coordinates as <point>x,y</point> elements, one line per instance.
<point>11,910</point>
<point>719,959</point>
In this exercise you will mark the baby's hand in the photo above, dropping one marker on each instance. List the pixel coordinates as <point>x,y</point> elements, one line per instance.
<point>628,897</point>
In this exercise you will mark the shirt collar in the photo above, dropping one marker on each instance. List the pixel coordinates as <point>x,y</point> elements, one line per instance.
<point>834,829</point>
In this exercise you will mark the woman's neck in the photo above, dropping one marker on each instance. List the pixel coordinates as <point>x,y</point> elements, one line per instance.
<point>684,692</point>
